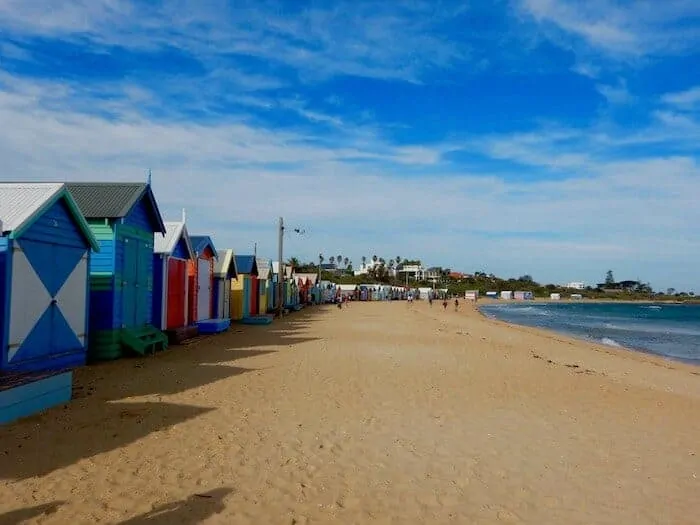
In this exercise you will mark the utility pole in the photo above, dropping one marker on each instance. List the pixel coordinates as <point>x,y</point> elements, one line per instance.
<point>282,271</point>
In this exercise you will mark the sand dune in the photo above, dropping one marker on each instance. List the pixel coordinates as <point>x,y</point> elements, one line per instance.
<point>380,413</point>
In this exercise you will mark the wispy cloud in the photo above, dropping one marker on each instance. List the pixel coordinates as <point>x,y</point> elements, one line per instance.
<point>219,166</point>
<point>622,29</point>
<point>688,99</point>
<point>263,121</point>
<point>615,94</point>
<point>378,40</point>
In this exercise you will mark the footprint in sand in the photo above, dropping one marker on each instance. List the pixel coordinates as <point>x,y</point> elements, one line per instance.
<point>507,516</point>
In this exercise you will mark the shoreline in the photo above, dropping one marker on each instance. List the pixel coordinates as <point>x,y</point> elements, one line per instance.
<point>546,300</point>
<point>623,350</point>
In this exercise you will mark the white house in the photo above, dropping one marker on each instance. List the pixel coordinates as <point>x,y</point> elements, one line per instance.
<point>576,285</point>
<point>415,272</point>
<point>366,267</point>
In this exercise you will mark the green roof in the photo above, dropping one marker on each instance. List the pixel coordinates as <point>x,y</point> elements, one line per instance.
<point>106,199</point>
<point>112,200</point>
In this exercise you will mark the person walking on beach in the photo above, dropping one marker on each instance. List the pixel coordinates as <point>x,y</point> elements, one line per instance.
<point>456,305</point>
<point>430,300</point>
<point>444,303</point>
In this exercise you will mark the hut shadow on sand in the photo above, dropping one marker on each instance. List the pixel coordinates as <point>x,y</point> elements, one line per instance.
<point>22,515</point>
<point>190,511</point>
<point>93,423</point>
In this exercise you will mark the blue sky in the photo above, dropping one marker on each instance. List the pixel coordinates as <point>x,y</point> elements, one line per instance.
<point>550,137</point>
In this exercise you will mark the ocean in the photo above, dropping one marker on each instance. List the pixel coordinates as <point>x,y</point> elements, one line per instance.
<point>668,330</point>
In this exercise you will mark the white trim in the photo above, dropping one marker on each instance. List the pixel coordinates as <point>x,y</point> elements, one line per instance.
<point>164,287</point>
<point>187,293</point>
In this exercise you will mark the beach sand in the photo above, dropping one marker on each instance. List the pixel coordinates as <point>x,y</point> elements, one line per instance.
<point>379,413</point>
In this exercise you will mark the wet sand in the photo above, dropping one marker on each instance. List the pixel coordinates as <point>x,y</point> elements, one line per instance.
<point>380,413</point>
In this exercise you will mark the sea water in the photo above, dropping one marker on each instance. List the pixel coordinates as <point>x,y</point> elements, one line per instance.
<point>669,330</point>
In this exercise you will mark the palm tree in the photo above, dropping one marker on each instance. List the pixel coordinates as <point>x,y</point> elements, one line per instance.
<point>398,260</point>
<point>345,262</point>
<point>364,261</point>
<point>374,258</point>
<point>332,259</point>
<point>339,259</point>
<point>320,258</point>
<point>294,262</point>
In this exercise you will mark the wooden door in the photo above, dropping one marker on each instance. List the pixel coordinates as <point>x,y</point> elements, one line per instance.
<point>177,271</point>
<point>129,288</point>
<point>203,289</point>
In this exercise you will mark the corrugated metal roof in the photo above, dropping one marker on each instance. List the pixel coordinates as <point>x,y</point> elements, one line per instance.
<point>226,265</point>
<point>200,243</point>
<point>174,231</point>
<point>246,264</point>
<point>20,201</point>
<point>264,268</point>
<point>288,270</point>
<point>311,277</point>
<point>106,199</point>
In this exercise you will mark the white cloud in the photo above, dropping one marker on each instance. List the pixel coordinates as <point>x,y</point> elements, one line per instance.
<point>396,40</point>
<point>622,29</point>
<point>615,94</point>
<point>688,99</point>
<point>397,199</point>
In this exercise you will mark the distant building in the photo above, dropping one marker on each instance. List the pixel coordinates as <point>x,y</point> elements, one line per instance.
<point>330,267</point>
<point>576,285</point>
<point>433,274</point>
<point>366,267</point>
<point>415,272</point>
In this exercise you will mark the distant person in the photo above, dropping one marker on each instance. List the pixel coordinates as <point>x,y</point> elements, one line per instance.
<point>444,304</point>
<point>430,300</point>
<point>410,298</point>
<point>456,304</point>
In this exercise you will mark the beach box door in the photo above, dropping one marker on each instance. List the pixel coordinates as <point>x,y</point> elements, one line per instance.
<point>130,266</point>
<point>225,311</point>
<point>177,283</point>
<point>203,290</point>
<point>45,321</point>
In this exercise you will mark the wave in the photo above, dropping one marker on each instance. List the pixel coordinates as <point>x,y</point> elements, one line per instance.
<point>651,329</point>
<point>610,342</point>
<point>652,307</point>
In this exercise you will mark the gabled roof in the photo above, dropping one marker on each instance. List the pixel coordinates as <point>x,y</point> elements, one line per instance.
<point>246,264</point>
<point>23,203</point>
<point>288,270</point>
<point>174,231</point>
<point>200,243</point>
<point>225,266</point>
<point>264,268</point>
<point>304,277</point>
<point>113,200</point>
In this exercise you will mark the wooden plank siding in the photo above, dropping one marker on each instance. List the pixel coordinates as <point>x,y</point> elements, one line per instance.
<point>56,226</point>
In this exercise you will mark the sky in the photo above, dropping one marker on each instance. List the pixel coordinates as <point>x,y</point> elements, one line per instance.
<point>553,138</point>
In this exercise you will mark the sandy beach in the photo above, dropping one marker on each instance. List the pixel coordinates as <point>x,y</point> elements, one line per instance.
<point>379,413</point>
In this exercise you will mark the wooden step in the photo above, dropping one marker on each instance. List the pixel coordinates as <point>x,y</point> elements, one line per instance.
<point>144,340</point>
